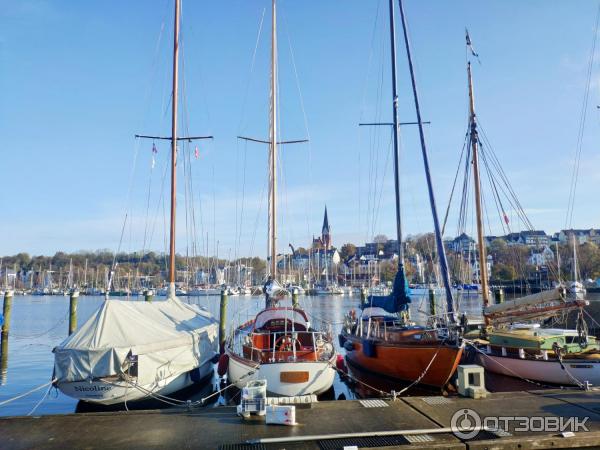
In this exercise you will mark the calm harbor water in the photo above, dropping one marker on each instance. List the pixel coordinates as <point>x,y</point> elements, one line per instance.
<point>41,322</point>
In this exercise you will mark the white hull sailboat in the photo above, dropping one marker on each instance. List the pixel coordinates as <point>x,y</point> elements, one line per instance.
<point>279,345</point>
<point>131,350</point>
<point>319,376</point>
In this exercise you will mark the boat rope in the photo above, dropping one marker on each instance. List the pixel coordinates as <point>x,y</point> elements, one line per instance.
<point>395,394</point>
<point>25,394</point>
<point>37,405</point>
<point>34,336</point>
<point>558,350</point>
<point>580,134</point>
<point>353,378</point>
<point>184,403</point>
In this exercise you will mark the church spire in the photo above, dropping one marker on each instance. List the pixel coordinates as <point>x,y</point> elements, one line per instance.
<point>326,231</point>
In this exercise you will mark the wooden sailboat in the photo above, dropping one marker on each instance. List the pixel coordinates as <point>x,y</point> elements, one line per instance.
<point>130,350</point>
<point>279,345</point>
<point>382,340</point>
<point>513,343</point>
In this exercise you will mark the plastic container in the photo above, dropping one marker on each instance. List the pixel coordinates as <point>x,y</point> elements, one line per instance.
<point>254,390</point>
<point>281,415</point>
<point>254,398</point>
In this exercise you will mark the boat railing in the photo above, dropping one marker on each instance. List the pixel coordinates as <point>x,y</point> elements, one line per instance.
<point>318,343</point>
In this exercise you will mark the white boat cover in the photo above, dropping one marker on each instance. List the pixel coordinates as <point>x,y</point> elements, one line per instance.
<point>168,337</point>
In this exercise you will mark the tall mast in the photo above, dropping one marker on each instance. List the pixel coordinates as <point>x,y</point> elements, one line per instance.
<point>273,148</point>
<point>174,150</point>
<point>395,132</point>
<point>436,223</point>
<point>483,275</point>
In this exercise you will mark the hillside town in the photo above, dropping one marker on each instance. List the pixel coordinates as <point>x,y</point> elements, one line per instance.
<point>530,257</point>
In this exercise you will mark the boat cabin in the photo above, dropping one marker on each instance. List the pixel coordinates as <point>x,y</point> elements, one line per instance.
<point>283,334</point>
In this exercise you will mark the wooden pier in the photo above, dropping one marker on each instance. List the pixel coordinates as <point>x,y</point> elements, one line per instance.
<point>409,422</point>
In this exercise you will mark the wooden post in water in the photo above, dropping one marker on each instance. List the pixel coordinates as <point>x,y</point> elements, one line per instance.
<point>6,311</point>
<point>148,294</point>
<point>223,321</point>
<point>295,303</point>
<point>3,358</point>
<point>499,295</point>
<point>431,302</point>
<point>73,311</point>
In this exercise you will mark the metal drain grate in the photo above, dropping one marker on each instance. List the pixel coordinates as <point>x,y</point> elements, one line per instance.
<point>439,400</point>
<point>374,403</point>
<point>418,438</point>
<point>375,441</point>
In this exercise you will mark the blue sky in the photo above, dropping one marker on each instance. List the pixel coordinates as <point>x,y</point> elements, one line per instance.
<point>79,79</point>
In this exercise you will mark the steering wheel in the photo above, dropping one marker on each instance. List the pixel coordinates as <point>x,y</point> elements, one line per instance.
<point>287,344</point>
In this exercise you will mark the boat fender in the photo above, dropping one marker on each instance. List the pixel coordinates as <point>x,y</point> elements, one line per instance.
<point>223,363</point>
<point>348,346</point>
<point>369,348</point>
<point>340,364</point>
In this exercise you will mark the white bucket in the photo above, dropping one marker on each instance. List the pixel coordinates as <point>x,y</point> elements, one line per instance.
<point>281,415</point>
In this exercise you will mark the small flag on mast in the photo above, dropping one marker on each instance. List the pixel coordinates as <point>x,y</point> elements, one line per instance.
<point>154,152</point>
<point>470,46</point>
<point>506,219</point>
<point>196,153</point>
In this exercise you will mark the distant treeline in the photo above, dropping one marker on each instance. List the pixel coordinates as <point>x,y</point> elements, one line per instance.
<point>101,261</point>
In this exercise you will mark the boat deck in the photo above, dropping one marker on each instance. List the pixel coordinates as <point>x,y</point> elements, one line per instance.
<point>220,428</point>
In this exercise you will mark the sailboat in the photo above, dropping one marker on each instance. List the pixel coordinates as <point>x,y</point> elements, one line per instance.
<point>513,341</point>
<point>279,344</point>
<point>132,350</point>
<point>382,340</point>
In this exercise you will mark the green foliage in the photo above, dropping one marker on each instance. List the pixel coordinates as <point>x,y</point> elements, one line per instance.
<point>347,251</point>
<point>503,272</point>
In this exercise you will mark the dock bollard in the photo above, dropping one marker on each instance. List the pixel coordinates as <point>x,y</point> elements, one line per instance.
<point>73,311</point>
<point>432,302</point>
<point>223,321</point>
<point>499,296</point>
<point>148,294</point>
<point>6,311</point>
<point>295,298</point>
